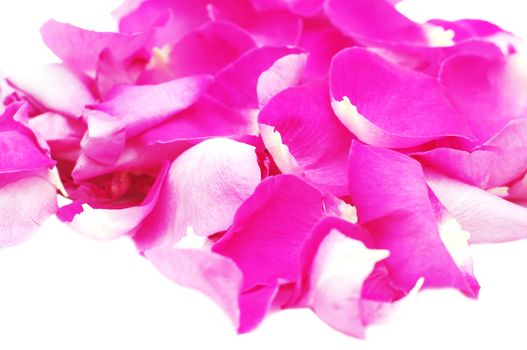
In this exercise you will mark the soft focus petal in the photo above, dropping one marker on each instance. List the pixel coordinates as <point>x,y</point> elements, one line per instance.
<point>490,92</point>
<point>299,7</point>
<point>64,40</point>
<point>390,106</point>
<point>212,274</point>
<point>204,188</point>
<point>25,202</point>
<point>54,87</point>
<point>374,20</point>
<point>394,203</point>
<point>300,123</point>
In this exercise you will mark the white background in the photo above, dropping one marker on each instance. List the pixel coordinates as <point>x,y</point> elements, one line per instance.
<point>63,291</point>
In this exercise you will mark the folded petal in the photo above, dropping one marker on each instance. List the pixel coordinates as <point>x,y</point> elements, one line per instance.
<point>497,162</point>
<point>305,138</point>
<point>132,109</point>
<point>54,87</point>
<point>338,272</point>
<point>487,217</point>
<point>489,91</point>
<point>204,188</point>
<point>395,204</point>
<point>19,148</point>
<point>387,105</point>
<point>258,75</point>
<point>103,223</point>
<point>64,40</point>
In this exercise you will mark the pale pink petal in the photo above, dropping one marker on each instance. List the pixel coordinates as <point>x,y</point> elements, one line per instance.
<point>166,141</point>
<point>338,272</point>
<point>25,202</point>
<point>390,106</point>
<point>131,110</point>
<point>204,188</point>
<point>54,87</point>
<point>487,217</point>
<point>65,40</point>
<point>258,75</point>
<point>212,274</point>
<point>305,138</point>
<point>395,204</point>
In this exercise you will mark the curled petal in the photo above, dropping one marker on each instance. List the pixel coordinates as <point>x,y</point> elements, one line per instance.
<point>109,223</point>
<point>131,110</point>
<point>305,138</point>
<point>486,216</point>
<point>204,188</point>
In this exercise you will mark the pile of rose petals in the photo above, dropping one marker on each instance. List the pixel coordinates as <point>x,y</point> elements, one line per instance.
<point>276,154</point>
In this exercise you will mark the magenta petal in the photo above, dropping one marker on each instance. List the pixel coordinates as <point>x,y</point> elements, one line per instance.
<point>204,188</point>
<point>395,204</point>
<point>387,105</point>
<point>375,20</point>
<point>497,162</point>
<point>487,217</point>
<point>19,148</point>
<point>109,223</point>
<point>270,228</point>
<point>212,274</point>
<point>132,109</point>
<point>305,138</point>
<point>54,87</point>
<point>64,40</point>
<point>489,91</point>
<point>299,7</point>
<point>25,202</point>
<point>258,75</point>
<point>208,49</point>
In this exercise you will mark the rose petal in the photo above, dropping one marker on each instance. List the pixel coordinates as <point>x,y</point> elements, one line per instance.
<point>204,188</point>
<point>300,122</point>
<point>390,106</point>
<point>395,204</point>
<point>488,218</point>
<point>258,75</point>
